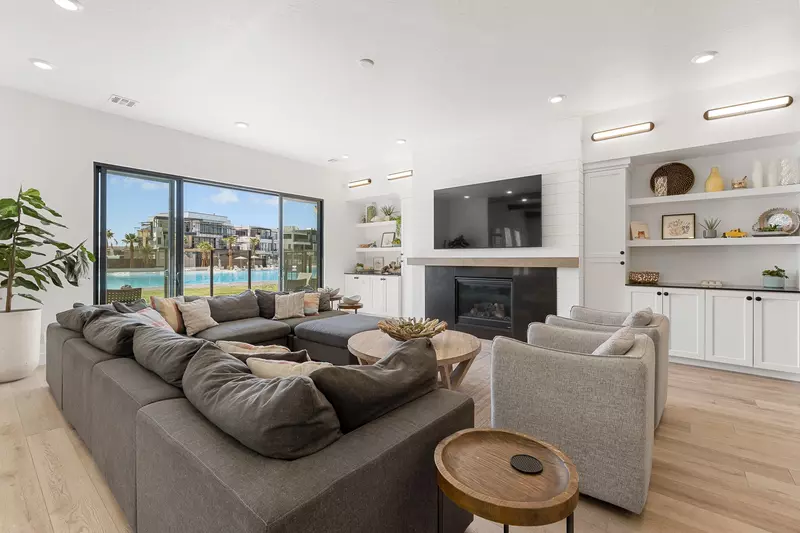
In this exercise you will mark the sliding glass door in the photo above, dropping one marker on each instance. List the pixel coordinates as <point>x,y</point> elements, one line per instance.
<point>163,236</point>
<point>136,236</point>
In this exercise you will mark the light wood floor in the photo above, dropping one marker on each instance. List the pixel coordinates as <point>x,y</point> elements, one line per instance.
<point>726,460</point>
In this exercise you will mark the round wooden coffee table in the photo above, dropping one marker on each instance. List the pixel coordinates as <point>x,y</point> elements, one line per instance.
<point>475,472</point>
<point>455,352</point>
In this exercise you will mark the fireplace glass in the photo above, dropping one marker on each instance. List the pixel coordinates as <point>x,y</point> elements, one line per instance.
<point>484,302</point>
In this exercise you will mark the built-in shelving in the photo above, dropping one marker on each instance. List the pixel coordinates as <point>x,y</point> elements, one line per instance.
<point>745,241</point>
<point>385,224</point>
<point>396,249</point>
<point>722,195</point>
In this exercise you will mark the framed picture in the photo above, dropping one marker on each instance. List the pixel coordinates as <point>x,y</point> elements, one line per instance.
<point>377,264</point>
<point>677,226</point>
<point>387,239</point>
<point>639,230</point>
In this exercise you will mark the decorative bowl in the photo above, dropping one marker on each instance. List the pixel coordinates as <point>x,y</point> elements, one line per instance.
<point>403,329</point>
<point>643,278</point>
<point>351,300</point>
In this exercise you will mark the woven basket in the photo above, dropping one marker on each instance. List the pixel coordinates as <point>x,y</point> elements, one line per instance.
<point>680,178</point>
<point>643,278</point>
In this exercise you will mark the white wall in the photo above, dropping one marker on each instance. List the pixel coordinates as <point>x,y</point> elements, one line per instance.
<point>53,146</point>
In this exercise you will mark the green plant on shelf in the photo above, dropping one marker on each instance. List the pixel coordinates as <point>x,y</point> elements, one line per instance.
<point>711,224</point>
<point>777,273</point>
<point>388,211</point>
<point>771,227</point>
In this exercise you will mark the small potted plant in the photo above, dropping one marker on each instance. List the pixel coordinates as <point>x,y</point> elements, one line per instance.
<point>710,227</point>
<point>774,279</point>
<point>359,267</point>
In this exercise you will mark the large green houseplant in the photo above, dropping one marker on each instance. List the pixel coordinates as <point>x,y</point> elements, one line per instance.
<point>31,259</point>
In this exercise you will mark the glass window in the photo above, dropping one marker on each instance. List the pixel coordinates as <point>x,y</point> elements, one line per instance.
<point>301,248</point>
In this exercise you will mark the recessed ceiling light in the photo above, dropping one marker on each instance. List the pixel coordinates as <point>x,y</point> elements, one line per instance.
<point>242,125</point>
<point>401,141</point>
<point>604,135</point>
<point>69,5</point>
<point>466,198</point>
<point>345,156</point>
<point>509,192</point>
<point>705,57</point>
<point>366,63</point>
<point>557,99</point>
<point>749,107</point>
<point>41,63</point>
<point>524,199</point>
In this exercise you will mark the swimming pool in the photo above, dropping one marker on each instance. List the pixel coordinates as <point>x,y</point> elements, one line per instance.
<point>115,280</point>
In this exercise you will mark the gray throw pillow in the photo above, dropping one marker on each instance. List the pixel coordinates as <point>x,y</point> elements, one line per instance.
<point>300,356</point>
<point>164,352</point>
<point>324,302</point>
<point>617,344</point>
<point>282,418</point>
<point>113,332</point>
<point>266,302</point>
<point>361,394</point>
<point>228,308</point>
<point>639,318</point>
<point>131,307</point>
<point>75,319</point>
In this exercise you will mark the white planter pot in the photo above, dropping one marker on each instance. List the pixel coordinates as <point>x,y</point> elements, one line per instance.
<point>20,332</point>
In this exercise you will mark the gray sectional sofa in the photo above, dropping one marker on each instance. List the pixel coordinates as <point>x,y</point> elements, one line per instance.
<point>172,470</point>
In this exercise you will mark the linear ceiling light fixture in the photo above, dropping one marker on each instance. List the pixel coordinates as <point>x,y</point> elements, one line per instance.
<point>749,107</point>
<point>400,175</point>
<point>69,5</point>
<point>634,129</point>
<point>359,183</point>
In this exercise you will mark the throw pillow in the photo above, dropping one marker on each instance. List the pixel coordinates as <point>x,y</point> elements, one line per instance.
<point>237,307</point>
<point>196,316</point>
<point>639,318</point>
<point>617,344</point>
<point>130,307</point>
<point>282,369</point>
<point>152,317</point>
<point>168,307</point>
<point>243,351</point>
<point>266,302</point>
<point>311,304</point>
<point>324,301</point>
<point>363,393</point>
<point>289,306</point>
<point>75,319</point>
<point>279,418</point>
<point>113,332</point>
<point>165,352</point>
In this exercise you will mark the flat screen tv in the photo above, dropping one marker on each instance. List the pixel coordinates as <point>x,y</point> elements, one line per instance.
<point>498,214</point>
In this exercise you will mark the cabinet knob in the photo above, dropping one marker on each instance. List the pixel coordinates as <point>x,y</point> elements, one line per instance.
<point>622,262</point>
<point>622,252</point>
<point>749,298</point>
<point>383,279</point>
<point>659,293</point>
<point>355,277</point>
<point>666,294</point>
<point>758,298</point>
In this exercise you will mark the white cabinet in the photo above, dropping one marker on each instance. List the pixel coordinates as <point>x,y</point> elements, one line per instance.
<point>380,295</point>
<point>641,297</point>
<point>729,327</point>
<point>605,239</point>
<point>776,334</point>
<point>686,310</point>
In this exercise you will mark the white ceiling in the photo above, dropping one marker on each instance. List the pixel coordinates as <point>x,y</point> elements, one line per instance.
<point>443,67</point>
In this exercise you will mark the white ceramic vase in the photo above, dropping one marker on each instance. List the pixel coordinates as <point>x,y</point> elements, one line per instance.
<point>758,175</point>
<point>773,179</point>
<point>20,331</point>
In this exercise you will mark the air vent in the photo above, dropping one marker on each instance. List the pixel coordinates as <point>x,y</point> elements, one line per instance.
<point>121,100</point>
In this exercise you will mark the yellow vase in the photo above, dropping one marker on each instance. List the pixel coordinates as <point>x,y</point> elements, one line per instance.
<point>714,183</point>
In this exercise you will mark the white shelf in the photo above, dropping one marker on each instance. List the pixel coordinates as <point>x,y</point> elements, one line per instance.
<point>386,224</point>
<point>745,241</point>
<point>397,249</point>
<point>722,195</point>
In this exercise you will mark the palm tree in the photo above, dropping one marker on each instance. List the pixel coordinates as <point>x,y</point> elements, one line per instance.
<point>230,240</point>
<point>146,250</point>
<point>109,240</point>
<point>130,239</point>
<point>205,249</point>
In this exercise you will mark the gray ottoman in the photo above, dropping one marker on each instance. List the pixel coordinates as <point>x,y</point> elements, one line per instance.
<point>326,340</point>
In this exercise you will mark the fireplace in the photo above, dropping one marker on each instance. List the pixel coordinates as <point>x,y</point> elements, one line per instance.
<point>484,302</point>
<point>488,301</point>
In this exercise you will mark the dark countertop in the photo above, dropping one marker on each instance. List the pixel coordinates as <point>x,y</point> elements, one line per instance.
<point>725,287</point>
<point>369,274</point>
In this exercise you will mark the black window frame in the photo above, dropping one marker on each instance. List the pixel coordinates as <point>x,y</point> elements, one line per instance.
<point>178,226</point>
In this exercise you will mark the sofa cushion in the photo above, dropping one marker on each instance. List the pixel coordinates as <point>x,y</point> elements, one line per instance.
<point>274,352</point>
<point>362,393</point>
<point>293,322</point>
<point>269,369</point>
<point>76,318</point>
<point>168,307</point>
<point>130,307</point>
<point>619,343</point>
<point>335,331</point>
<point>289,306</point>
<point>112,332</point>
<point>164,352</point>
<point>266,302</point>
<point>639,318</point>
<point>324,301</point>
<point>237,307</point>
<point>279,418</point>
<point>197,316</point>
<point>251,330</point>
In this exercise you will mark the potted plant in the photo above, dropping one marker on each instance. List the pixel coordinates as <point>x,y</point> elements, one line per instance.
<point>774,279</point>
<point>710,227</point>
<point>25,265</point>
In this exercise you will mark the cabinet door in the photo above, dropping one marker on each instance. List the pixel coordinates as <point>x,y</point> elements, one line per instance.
<point>604,283</point>
<point>358,284</point>
<point>686,310</point>
<point>777,331</point>
<point>605,196</point>
<point>393,296</point>
<point>378,295</point>
<point>729,327</point>
<point>641,297</point>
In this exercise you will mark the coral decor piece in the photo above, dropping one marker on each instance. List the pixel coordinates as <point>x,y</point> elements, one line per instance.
<point>403,329</point>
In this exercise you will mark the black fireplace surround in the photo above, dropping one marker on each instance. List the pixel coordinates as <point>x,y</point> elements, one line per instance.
<point>489,301</point>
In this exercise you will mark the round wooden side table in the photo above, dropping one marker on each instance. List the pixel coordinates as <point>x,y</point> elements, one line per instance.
<point>475,472</point>
<point>350,307</point>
